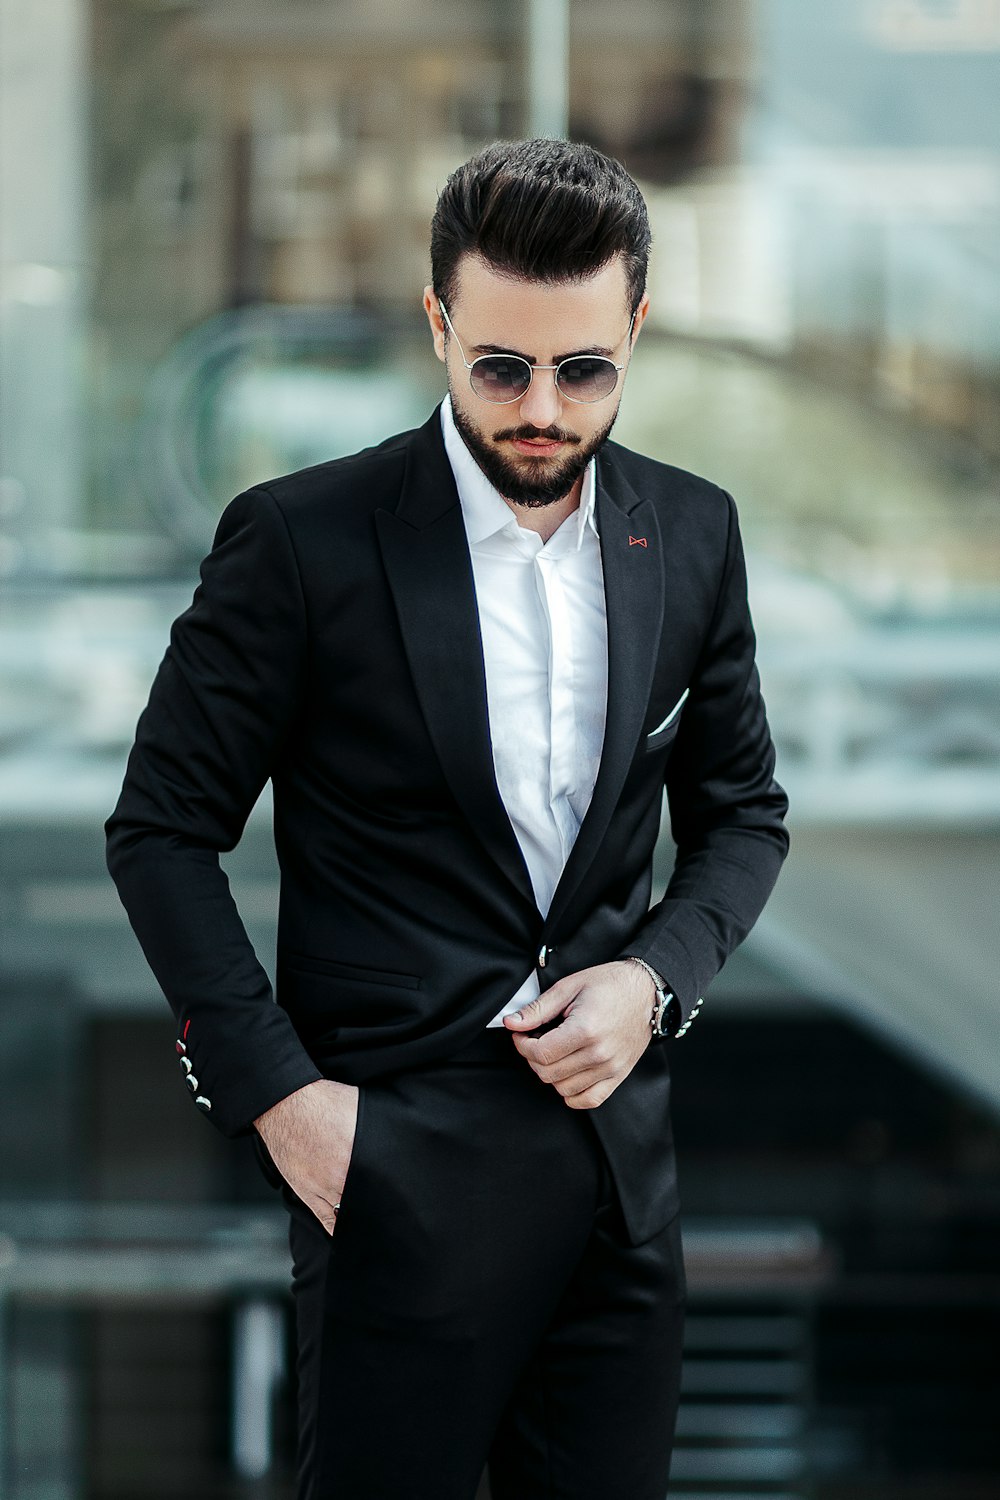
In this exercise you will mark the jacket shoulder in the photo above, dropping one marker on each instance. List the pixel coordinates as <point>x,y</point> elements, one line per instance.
<point>362,480</point>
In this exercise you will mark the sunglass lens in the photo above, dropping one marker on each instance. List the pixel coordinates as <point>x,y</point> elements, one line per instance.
<point>500,378</point>
<point>587,378</point>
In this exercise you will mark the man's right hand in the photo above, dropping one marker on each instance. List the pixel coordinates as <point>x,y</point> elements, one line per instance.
<point>310,1138</point>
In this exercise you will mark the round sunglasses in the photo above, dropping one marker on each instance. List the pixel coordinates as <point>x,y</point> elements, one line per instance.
<point>503,378</point>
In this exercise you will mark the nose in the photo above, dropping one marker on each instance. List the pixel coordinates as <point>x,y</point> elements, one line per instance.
<point>541,404</point>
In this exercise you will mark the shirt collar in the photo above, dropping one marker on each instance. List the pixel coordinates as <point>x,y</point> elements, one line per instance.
<point>485,510</point>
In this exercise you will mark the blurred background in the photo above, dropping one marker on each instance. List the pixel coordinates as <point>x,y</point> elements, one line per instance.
<point>214,224</point>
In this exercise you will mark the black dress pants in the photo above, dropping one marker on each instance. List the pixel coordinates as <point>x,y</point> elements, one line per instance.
<point>478,1302</point>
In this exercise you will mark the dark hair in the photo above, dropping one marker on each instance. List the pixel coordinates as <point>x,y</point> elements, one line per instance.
<point>544,210</point>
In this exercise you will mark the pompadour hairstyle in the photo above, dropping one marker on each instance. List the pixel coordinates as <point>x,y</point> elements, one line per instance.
<point>542,210</point>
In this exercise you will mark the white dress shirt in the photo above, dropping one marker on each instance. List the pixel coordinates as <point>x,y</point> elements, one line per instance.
<point>545,644</point>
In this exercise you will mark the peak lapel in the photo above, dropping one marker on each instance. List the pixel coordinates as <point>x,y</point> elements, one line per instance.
<point>426,555</point>
<point>633,565</point>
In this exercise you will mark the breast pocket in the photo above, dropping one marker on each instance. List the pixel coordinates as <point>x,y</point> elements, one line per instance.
<point>667,728</point>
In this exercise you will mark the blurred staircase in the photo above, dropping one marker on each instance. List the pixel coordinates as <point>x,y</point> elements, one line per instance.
<point>746,1395</point>
<point>747,1383</point>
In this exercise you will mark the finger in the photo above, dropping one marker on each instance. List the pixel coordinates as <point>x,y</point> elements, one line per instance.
<point>595,1093</point>
<point>579,1082</point>
<point>562,1053</point>
<point>545,1007</point>
<point>565,1064</point>
<point>568,1034</point>
<point>325,1211</point>
<point>559,1069</point>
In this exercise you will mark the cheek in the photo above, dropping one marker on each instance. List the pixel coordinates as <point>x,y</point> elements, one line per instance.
<point>484,422</point>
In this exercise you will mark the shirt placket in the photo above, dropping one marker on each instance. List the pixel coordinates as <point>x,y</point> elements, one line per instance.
<point>562,715</point>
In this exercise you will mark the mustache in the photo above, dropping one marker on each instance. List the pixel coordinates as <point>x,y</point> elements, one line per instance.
<point>527,434</point>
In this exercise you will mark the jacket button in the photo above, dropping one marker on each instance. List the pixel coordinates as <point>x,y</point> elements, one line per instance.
<point>543,954</point>
<point>204,1104</point>
<point>192,1083</point>
<point>180,1048</point>
<point>186,1065</point>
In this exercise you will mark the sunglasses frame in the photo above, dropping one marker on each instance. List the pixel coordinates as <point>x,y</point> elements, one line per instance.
<point>532,368</point>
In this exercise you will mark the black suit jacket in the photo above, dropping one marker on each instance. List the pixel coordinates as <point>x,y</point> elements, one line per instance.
<point>333,646</point>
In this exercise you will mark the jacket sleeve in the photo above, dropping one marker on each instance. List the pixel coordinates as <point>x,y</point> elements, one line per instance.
<point>219,711</point>
<point>726,809</point>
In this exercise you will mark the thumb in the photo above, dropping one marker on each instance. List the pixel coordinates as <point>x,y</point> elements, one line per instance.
<point>545,1008</point>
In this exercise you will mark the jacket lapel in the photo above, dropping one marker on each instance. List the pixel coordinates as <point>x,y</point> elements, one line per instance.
<point>427,560</point>
<point>633,564</point>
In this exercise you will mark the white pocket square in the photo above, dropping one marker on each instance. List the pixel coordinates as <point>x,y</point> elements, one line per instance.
<point>671,715</point>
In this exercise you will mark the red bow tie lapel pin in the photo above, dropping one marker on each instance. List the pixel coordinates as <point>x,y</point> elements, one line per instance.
<point>637,541</point>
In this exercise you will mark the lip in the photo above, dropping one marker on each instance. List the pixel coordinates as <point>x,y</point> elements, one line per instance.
<point>523,445</point>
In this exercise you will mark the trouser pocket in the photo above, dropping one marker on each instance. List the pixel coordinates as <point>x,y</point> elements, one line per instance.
<point>266,1162</point>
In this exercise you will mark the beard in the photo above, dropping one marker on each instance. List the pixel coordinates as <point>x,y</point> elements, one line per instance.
<point>534,482</point>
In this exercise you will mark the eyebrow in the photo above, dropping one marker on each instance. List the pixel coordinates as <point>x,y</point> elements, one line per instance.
<point>531,358</point>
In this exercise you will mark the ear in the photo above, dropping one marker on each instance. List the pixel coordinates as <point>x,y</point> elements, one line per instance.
<point>433,310</point>
<point>640,316</point>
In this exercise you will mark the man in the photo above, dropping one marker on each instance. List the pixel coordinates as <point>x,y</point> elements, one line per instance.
<point>469,660</point>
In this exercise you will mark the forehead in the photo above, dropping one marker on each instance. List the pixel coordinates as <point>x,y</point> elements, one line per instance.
<point>542,316</point>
